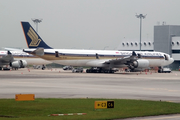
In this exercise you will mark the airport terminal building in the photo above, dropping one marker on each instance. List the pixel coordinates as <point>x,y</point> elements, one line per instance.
<point>166,39</point>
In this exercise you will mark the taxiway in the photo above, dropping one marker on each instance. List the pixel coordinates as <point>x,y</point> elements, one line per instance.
<point>56,83</point>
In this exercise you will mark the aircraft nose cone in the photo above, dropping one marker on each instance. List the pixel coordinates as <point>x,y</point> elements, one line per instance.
<point>171,60</point>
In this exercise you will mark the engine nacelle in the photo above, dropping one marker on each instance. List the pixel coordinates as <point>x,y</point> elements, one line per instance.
<point>141,63</point>
<point>18,64</point>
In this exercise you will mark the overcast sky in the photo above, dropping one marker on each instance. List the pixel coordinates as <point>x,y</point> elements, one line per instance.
<point>84,24</point>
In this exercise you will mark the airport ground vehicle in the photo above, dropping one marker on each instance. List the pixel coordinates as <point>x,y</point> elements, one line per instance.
<point>39,67</point>
<point>164,70</point>
<point>67,68</point>
<point>78,69</point>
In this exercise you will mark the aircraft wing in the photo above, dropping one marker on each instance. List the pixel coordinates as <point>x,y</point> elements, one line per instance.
<point>12,49</point>
<point>8,58</point>
<point>124,60</point>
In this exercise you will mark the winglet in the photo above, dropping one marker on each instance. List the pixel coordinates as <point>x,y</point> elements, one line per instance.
<point>33,40</point>
<point>39,52</point>
<point>9,53</point>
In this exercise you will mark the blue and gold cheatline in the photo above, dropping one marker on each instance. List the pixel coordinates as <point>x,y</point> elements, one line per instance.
<point>69,56</point>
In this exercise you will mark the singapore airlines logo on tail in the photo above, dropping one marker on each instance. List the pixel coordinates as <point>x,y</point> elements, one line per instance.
<point>34,37</point>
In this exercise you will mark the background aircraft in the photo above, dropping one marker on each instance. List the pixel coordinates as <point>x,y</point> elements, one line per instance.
<point>99,60</point>
<point>19,55</point>
<point>7,59</point>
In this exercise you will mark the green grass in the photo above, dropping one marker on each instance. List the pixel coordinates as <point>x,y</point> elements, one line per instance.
<point>41,108</point>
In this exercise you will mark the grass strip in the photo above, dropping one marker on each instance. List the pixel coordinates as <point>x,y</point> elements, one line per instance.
<point>41,108</point>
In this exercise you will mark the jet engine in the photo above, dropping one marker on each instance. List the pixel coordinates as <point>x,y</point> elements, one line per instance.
<point>18,64</point>
<point>139,64</point>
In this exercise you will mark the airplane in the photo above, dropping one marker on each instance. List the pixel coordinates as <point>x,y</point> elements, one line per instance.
<point>18,54</point>
<point>7,59</point>
<point>101,61</point>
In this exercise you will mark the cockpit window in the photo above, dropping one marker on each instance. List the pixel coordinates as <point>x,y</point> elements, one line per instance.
<point>166,57</point>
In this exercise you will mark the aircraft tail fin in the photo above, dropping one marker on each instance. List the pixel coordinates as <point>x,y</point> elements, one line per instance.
<point>33,40</point>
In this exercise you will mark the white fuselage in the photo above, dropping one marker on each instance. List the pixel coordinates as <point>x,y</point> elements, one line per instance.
<point>89,57</point>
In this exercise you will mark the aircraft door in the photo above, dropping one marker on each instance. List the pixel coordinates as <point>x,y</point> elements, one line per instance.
<point>56,54</point>
<point>97,56</point>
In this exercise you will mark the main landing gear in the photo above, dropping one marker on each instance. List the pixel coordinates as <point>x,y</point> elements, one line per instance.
<point>99,70</point>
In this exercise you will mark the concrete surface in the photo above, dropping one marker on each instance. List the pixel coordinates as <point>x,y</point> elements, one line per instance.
<point>57,83</point>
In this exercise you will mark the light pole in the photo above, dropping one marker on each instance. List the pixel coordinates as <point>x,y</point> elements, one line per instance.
<point>140,16</point>
<point>36,21</point>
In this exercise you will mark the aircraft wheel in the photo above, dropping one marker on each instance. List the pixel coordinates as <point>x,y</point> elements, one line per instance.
<point>160,70</point>
<point>111,71</point>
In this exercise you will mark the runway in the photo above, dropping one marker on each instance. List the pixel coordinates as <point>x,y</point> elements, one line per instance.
<point>57,83</point>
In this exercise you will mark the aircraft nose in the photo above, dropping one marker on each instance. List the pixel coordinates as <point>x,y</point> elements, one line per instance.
<point>171,60</point>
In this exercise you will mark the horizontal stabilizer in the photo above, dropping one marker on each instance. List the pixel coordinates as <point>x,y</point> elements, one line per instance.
<point>38,51</point>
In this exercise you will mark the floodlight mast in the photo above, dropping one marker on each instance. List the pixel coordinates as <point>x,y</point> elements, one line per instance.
<point>140,16</point>
<point>36,21</point>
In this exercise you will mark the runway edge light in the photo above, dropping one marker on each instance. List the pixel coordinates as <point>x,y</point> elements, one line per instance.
<point>103,104</point>
<point>24,97</point>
